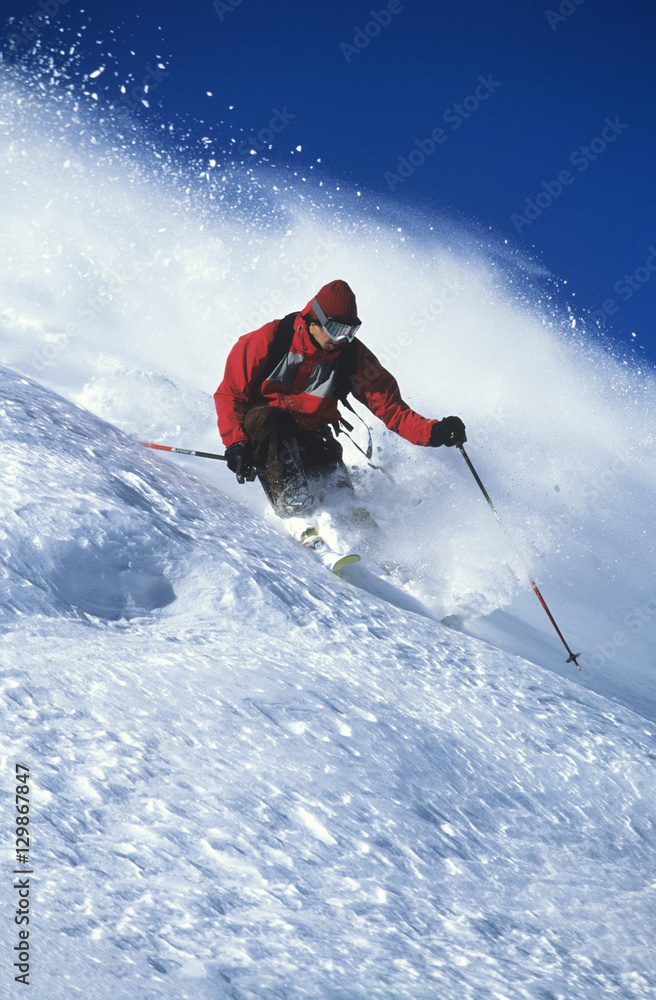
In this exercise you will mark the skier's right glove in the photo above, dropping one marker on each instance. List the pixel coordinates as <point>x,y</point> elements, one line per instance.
<point>240,461</point>
<point>448,431</point>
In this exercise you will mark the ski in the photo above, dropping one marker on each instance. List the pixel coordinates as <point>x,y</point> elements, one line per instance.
<point>453,621</point>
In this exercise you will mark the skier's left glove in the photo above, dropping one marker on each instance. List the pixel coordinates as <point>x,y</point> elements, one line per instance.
<point>240,461</point>
<point>448,431</point>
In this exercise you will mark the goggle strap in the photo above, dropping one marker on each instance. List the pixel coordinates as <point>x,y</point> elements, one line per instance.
<point>325,320</point>
<point>319,313</point>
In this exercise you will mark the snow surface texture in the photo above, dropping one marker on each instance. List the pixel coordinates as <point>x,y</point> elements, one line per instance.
<point>252,780</point>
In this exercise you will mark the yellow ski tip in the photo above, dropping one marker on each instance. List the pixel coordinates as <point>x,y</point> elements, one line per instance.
<point>345,561</point>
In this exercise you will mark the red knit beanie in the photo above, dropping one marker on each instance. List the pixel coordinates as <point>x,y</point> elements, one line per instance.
<point>338,301</point>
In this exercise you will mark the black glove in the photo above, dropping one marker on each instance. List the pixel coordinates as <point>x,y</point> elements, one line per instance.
<point>448,431</point>
<point>240,461</point>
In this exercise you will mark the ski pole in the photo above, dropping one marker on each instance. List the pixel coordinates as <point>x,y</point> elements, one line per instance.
<point>184,451</point>
<point>345,428</point>
<point>572,658</point>
<point>371,465</point>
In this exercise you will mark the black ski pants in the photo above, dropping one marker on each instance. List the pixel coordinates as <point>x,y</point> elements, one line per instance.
<point>292,463</point>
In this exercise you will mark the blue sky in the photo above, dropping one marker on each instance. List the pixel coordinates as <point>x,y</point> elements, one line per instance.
<point>532,118</point>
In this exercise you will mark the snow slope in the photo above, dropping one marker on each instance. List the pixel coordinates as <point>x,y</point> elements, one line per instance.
<point>259,782</point>
<point>249,778</point>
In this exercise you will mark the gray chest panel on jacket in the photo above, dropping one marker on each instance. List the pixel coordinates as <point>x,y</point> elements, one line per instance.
<point>286,371</point>
<point>321,382</point>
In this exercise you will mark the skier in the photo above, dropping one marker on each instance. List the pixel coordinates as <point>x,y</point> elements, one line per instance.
<point>278,401</point>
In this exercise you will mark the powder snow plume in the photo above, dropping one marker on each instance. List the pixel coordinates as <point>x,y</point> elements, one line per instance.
<point>131,267</point>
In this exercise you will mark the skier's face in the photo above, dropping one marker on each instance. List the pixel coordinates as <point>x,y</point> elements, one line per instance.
<point>325,342</point>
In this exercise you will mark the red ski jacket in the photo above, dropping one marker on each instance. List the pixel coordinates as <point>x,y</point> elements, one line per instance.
<point>307,382</point>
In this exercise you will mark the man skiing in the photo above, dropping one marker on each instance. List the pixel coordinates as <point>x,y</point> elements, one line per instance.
<point>278,400</point>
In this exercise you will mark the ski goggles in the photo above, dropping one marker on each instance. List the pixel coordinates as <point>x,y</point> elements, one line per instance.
<point>335,329</point>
